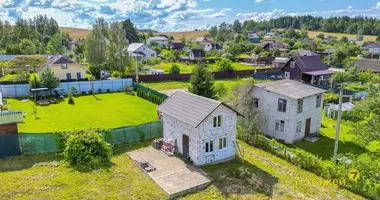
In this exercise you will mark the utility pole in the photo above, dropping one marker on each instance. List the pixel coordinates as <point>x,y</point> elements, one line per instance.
<point>338,121</point>
<point>137,70</point>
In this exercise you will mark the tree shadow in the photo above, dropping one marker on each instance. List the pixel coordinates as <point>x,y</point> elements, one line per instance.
<point>124,148</point>
<point>16,163</point>
<point>324,147</point>
<point>235,178</point>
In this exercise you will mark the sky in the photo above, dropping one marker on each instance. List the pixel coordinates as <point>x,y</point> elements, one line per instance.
<point>180,15</point>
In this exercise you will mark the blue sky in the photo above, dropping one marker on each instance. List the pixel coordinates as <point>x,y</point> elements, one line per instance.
<point>180,15</point>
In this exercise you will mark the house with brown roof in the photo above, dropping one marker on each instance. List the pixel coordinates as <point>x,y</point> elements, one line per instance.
<point>64,68</point>
<point>308,69</point>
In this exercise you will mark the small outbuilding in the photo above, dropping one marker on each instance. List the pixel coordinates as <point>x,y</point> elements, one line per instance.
<point>331,111</point>
<point>203,130</point>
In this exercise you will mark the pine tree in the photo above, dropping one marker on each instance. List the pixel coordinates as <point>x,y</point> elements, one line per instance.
<point>202,82</point>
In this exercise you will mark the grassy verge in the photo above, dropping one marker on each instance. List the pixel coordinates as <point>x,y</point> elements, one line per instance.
<point>106,111</point>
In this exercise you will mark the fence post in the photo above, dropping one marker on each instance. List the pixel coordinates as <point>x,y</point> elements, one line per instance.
<point>125,141</point>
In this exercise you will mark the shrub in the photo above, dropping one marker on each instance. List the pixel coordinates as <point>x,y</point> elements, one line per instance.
<point>71,99</point>
<point>128,90</point>
<point>99,90</point>
<point>116,74</point>
<point>90,92</point>
<point>87,150</point>
<point>83,92</point>
<point>220,89</point>
<point>175,69</point>
<point>225,65</point>
<point>153,61</point>
<point>108,90</point>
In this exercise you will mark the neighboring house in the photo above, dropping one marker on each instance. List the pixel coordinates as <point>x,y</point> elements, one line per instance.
<point>254,38</point>
<point>279,62</point>
<point>177,45</point>
<point>290,110</point>
<point>197,54</point>
<point>327,52</point>
<point>271,35</point>
<point>72,45</point>
<point>309,69</point>
<point>156,71</point>
<point>162,41</point>
<point>373,47</point>
<point>206,46</point>
<point>367,64</point>
<point>64,68</point>
<point>269,45</point>
<point>141,50</point>
<point>307,53</point>
<point>203,129</point>
<point>203,39</point>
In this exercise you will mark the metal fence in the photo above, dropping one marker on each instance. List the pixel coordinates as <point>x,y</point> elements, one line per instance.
<point>22,90</point>
<point>36,143</point>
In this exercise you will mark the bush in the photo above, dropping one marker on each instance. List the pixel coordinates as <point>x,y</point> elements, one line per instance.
<point>221,90</point>
<point>87,150</point>
<point>71,99</point>
<point>116,74</point>
<point>175,69</point>
<point>108,90</point>
<point>83,92</point>
<point>99,90</point>
<point>225,65</point>
<point>90,92</point>
<point>153,61</point>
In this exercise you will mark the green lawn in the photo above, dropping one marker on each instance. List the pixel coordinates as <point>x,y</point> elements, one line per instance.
<point>187,68</point>
<point>261,176</point>
<point>108,111</point>
<point>324,147</point>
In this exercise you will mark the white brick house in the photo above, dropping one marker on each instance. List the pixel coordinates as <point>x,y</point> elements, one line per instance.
<point>204,129</point>
<point>290,110</point>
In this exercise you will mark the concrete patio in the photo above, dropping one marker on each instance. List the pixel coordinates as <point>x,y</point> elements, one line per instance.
<point>173,175</point>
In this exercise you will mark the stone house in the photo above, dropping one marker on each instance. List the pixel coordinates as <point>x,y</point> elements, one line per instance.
<point>290,110</point>
<point>203,129</point>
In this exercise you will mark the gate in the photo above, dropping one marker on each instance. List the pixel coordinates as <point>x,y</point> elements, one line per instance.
<point>9,145</point>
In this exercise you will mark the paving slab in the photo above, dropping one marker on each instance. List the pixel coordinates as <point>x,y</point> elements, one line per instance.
<point>172,174</point>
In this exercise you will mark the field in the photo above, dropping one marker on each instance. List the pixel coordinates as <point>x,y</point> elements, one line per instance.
<point>76,33</point>
<point>108,111</point>
<point>186,69</point>
<point>313,34</point>
<point>261,176</point>
<point>187,34</point>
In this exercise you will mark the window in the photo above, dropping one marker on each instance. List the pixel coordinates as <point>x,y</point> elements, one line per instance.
<point>281,105</point>
<point>300,106</point>
<point>217,121</point>
<point>68,76</point>
<point>280,125</point>
<point>256,102</point>
<point>299,127</point>
<point>64,66</point>
<point>222,142</point>
<point>209,146</point>
<point>78,75</point>
<point>292,64</point>
<point>318,103</point>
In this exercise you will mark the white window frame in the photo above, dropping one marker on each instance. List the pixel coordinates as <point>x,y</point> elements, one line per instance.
<point>209,146</point>
<point>222,143</point>
<point>299,123</point>
<point>217,121</point>
<point>284,104</point>
<point>279,125</point>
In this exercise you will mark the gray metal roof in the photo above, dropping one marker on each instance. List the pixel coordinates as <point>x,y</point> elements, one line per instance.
<point>134,46</point>
<point>189,108</point>
<point>11,117</point>
<point>290,88</point>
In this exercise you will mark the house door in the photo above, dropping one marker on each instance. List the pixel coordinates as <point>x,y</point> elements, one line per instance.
<point>307,127</point>
<point>287,75</point>
<point>185,146</point>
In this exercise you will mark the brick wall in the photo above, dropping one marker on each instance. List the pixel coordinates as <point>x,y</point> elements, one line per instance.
<point>8,129</point>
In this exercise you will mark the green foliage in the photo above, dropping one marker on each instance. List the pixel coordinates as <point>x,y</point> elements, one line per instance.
<point>96,51</point>
<point>225,65</point>
<point>86,150</point>
<point>54,45</point>
<point>48,79</point>
<point>70,98</point>
<point>117,60</point>
<point>34,82</point>
<point>27,47</point>
<point>99,90</point>
<point>378,38</point>
<point>150,96</point>
<point>130,31</point>
<point>221,90</point>
<point>154,61</point>
<point>202,82</point>
<point>331,97</point>
<point>108,90</point>
<point>23,76</point>
<point>22,61</point>
<point>174,69</point>
<point>116,74</point>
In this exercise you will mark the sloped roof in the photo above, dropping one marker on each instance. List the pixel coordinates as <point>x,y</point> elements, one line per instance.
<point>199,39</point>
<point>60,59</point>
<point>199,53</point>
<point>11,117</point>
<point>368,64</point>
<point>134,46</point>
<point>177,45</point>
<point>306,53</point>
<point>189,108</point>
<point>329,51</point>
<point>289,88</point>
<point>309,63</point>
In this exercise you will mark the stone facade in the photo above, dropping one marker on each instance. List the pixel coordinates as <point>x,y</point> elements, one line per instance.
<point>205,133</point>
<point>268,104</point>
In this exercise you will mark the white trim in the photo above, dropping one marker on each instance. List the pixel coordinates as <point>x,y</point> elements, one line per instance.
<point>275,119</point>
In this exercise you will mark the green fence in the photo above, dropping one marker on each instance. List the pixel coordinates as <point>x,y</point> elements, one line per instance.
<point>35,143</point>
<point>149,90</point>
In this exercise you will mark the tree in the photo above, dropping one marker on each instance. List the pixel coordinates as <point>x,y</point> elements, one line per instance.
<point>225,65</point>
<point>378,38</point>
<point>213,31</point>
<point>202,82</point>
<point>130,31</point>
<point>174,69</point>
<point>237,27</point>
<point>96,51</point>
<point>117,57</point>
<point>103,26</point>
<point>34,82</point>
<point>13,49</point>
<point>54,45</point>
<point>321,36</point>
<point>48,79</point>
<point>27,47</point>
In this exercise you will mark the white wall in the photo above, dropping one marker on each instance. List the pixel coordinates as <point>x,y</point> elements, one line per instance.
<point>268,102</point>
<point>22,90</point>
<point>208,47</point>
<point>174,129</point>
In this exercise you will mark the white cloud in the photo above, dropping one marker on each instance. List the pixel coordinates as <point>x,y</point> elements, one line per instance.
<point>221,13</point>
<point>260,1</point>
<point>349,8</point>
<point>260,16</point>
<point>378,5</point>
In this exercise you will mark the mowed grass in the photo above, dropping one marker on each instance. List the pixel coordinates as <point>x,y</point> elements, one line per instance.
<point>261,176</point>
<point>108,111</point>
<point>188,68</point>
